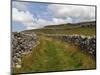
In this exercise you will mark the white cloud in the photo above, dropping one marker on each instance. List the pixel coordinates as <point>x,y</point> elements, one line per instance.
<point>39,23</point>
<point>82,13</point>
<point>22,16</point>
<point>62,21</point>
<point>27,19</point>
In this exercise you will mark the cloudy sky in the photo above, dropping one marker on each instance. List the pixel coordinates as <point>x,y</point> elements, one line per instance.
<point>29,15</point>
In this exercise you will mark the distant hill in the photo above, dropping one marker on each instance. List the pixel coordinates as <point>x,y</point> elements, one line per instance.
<point>90,23</point>
<point>69,25</point>
<point>83,28</point>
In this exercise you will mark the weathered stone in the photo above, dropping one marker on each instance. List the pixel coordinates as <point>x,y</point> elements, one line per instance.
<point>22,43</point>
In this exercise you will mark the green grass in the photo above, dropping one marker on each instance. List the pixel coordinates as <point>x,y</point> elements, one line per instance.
<point>78,30</point>
<point>53,55</point>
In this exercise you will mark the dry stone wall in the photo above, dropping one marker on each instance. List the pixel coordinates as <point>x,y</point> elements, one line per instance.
<point>85,43</point>
<point>22,43</point>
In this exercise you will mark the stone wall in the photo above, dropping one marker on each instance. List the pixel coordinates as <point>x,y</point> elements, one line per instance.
<point>85,43</point>
<point>22,44</point>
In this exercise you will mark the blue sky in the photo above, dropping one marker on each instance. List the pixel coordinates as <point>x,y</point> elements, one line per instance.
<point>29,15</point>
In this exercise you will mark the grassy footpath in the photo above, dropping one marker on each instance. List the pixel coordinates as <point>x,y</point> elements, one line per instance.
<point>52,55</point>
